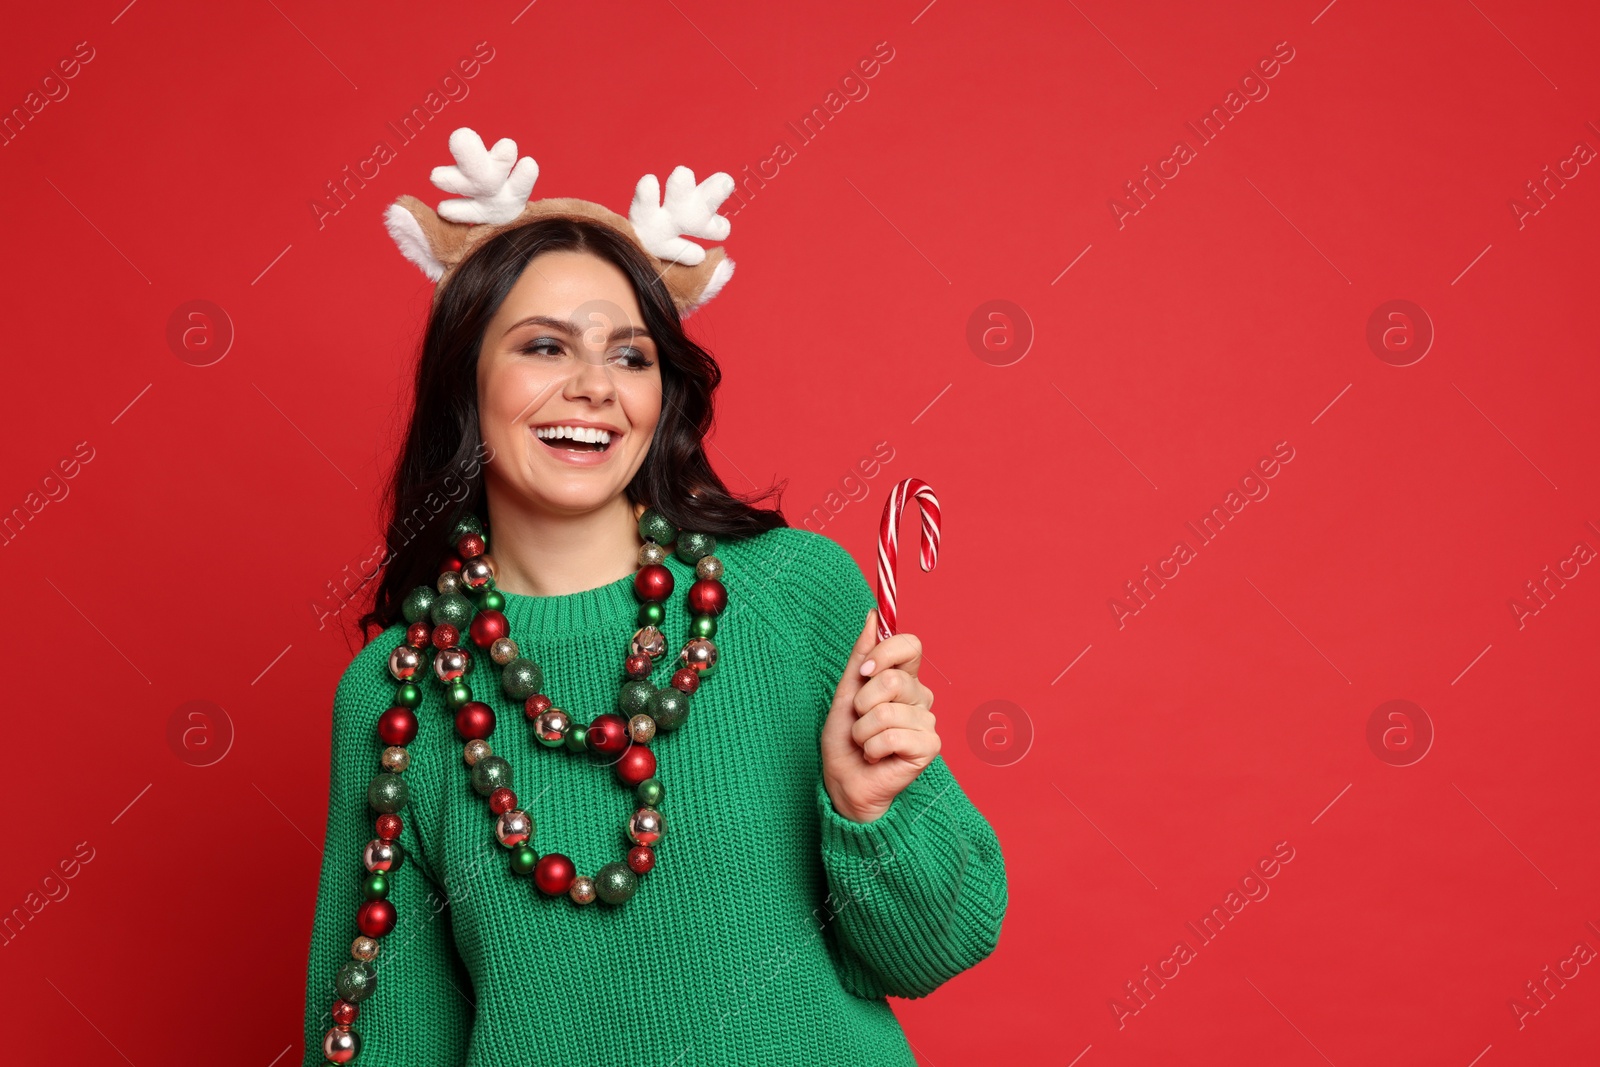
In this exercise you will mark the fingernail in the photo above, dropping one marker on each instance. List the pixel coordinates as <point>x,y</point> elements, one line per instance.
<point>866,668</point>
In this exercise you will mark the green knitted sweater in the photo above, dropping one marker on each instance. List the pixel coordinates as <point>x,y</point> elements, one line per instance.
<point>770,929</point>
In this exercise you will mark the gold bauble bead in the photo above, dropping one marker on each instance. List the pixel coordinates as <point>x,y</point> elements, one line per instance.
<point>708,567</point>
<point>364,948</point>
<point>449,582</point>
<point>651,553</point>
<point>582,891</point>
<point>475,750</point>
<point>396,759</point>
<point>503,651</point>
<point>641,728</point>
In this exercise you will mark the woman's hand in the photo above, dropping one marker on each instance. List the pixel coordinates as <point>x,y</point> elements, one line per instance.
<point>879,732</point>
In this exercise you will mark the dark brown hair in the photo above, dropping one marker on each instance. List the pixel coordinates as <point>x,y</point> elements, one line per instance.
<point>438,476</point>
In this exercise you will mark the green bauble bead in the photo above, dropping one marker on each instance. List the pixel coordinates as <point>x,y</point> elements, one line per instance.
<point>521,679</point>
<point>387,793</point>
<point>492,599</point>
<point>453,609</point>
<point>523,859</point>
<point>653,526</point>
<point>703,626</point>
<point>651,792</point>
<point>355,981</point>
<point>615,882</point>
<point>468,523</point>
<point>408,695</point>
<point>652,613</point>
<point>692,545</point>
<point>577,738</point>
<point>457,695</point>
<point>376,887</point>
<point>489,774</point>
<point>634,697</point>
<point>418,603</point>
<point>668,707</point>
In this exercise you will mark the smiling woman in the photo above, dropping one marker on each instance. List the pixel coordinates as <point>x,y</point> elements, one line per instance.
<point>790,857</point>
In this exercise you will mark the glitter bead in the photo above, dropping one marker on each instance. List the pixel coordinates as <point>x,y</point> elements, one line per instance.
<point>693,546</point>
<point>387,792</point>
<point>502,800</point>
<point>489,774</point>
<point>615,882</point>
<point>648,641</point>
<point>364,948</point>
<point>513,827</point>
<point>536,706</point>
<point>551,727</point>
<point>396,759</point>
<point>686,679</point>
<point>404,662</point>
<point>355,981</point>
<point>633,697</point>
<point>388,825</point>
<point>637,666</point>
<point>503,651</point>
<point>651,792</point>
<point>669,707</point>
<point>419,633</point>
<point>453,609</point>
<point>467,523</point>
<point>381,855</point>
<point>444,636</point>
<point>470,545</point>
<point>641,859</point>
<point>646,826</point>
<point>475,750</point>
<point>653,526</point>
<point>418,604</point>
<point>340,1045</point>
<point>708,567</point>
<point>651,553</point>
<point>641,728</point>
<point>343,1012</point>
<point>521,679</point>
<point>582,891</point>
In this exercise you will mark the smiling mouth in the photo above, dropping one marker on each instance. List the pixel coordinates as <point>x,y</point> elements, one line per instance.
<point>574,438</point>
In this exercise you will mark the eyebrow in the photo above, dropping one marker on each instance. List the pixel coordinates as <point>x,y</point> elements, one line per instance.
<point>574,328</point>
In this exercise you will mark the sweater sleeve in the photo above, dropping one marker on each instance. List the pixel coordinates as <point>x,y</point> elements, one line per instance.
<point>421,1009</point>
<point>917,895</point>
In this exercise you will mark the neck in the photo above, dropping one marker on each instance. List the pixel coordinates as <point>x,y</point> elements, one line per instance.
<point>541,554</point>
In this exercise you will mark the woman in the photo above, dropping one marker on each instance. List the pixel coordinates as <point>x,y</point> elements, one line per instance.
<point>816,854</point>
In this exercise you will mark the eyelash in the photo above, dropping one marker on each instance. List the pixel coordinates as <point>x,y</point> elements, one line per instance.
<point>639,360</point>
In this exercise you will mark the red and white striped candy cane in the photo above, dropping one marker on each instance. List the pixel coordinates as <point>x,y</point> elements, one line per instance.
<point>889,544</point>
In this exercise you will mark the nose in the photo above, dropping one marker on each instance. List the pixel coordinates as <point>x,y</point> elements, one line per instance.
<point>590,379</point>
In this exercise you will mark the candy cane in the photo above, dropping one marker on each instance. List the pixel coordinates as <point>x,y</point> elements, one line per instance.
<point>889,544</point>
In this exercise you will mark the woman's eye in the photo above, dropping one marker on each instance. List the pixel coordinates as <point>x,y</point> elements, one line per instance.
<point>541,343</point>
<point>632,357</point>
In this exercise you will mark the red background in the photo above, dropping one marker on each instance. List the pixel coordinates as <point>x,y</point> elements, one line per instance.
<point>1228,715</point>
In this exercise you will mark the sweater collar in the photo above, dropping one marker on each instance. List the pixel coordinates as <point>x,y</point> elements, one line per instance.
<point>607,607</point>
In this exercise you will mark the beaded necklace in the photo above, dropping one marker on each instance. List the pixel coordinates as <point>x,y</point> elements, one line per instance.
<point>464,599</point>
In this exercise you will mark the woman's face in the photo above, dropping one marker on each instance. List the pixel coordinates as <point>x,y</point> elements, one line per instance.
<point>569,385</point>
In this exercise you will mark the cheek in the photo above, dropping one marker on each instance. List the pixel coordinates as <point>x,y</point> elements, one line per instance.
<point>509,396</point>
<point>641,401</point>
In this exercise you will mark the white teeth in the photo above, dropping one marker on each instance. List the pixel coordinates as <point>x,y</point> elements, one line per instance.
<point>577,433</point>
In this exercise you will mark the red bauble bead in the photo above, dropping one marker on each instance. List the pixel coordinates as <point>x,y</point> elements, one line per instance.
<point>475,721</point>
<point>470,545</point>
<point>397,726</point>
<point>446,636</point>
<point>451,562</point>
<point>636,764</point>
<point>536,706</point>
<point>608,735</point>
<point>638,666</point>
<point>686,679</point>
<point>419,634</point>
<point>707,597</point>
<point>641,858</point>
<point>344,1013</point>
<point>376,918</point>
<point>489,627</point>
<point>388,826</point>
<point>652,583</point>
<point>502,800</point>
<point>554,874</point>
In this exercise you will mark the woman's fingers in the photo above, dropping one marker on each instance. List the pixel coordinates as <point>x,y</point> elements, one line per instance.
<point>891,716</point>
<point>902,650</point>
<point>892,686</point>
<point>915,745</point>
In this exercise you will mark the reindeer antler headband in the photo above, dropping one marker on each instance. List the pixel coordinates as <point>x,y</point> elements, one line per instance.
<point>494,186</point>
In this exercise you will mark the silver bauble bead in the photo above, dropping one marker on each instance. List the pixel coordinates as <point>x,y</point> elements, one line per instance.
<point>551,727</point>
<point>364,948</point>
<point>651,553</point>
<point>380,855</point>
<point>449,582</point>
<point>475,750</point>
<point>699,653</point>
<point>708,567</point>
<point>646,827</point>
<point>648,641</point>
<point>396,759</point>
<point>340,1045</point>
<point>451,663</point>
<point>513,827</point>
<point>476,573</point>
<point>641,728</point>
<point>582,891</point>
<point>404,662</point>
<point>503,651</point>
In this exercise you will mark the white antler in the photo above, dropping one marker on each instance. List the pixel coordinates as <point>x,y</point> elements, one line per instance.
<point>688,209</point>
<point>493,182</point>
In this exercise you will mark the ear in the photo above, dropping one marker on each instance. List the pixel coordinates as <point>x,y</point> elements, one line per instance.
<point>409,221</point>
